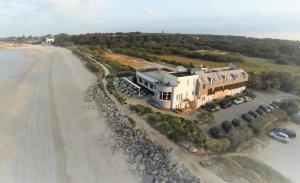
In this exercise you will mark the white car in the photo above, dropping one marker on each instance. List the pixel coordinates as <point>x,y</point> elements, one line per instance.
<point>238,101</point>
<point>280,136</point>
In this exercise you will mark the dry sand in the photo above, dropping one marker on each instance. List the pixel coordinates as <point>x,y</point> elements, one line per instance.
<point>48,132</point>
<point>285,158</point>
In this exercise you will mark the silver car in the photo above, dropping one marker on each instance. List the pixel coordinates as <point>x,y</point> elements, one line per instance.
<point>280,136</point>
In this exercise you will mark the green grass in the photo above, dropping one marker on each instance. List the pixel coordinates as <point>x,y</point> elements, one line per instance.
<point>190,60</point>
<point>250,64</point>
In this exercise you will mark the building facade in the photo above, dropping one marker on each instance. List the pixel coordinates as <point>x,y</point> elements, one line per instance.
<point>194,88</point>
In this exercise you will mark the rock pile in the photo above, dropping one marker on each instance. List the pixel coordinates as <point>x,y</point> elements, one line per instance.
<point>149,160</point>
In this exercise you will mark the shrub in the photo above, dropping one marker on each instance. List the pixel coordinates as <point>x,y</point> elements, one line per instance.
<point>217,145</point>
<point>240,135</point>
<point>141,109</point>
<point>290,106</point>
<point>93,66</point>
<point>206,118</point>
<point>154,117</point>
<point>256,127</point>
<point>164,128</point>
<point>266,121</point>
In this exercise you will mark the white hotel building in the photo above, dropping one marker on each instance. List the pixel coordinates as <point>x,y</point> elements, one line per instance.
<point>184,89</point>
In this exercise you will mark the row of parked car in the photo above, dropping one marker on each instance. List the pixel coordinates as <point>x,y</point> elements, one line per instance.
<point>228,103</point>
<point>226,126</point>
<point>261,110</point>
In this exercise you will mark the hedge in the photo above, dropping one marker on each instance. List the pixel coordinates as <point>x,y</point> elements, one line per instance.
<point>240,135</point>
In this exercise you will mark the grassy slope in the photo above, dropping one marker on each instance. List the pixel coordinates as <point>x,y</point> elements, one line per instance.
<point>250,64</point>
<point>235,168</point>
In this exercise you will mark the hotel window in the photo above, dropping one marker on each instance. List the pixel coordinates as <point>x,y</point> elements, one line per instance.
<point>140,80</point>
<point>151,85</point>
<point>203,86</point>
<point>160,95</point>
<point>146,83</point>
<point>166,96</point>
<point>169,96</point>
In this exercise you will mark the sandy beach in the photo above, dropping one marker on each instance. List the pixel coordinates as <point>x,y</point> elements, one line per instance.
<point>48,131</point>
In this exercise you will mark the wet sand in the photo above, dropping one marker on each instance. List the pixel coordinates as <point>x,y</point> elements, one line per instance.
<point>48,132</point>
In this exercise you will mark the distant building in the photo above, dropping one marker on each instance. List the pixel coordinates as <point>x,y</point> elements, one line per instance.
<point>184,89</point>
<point>48,40</point>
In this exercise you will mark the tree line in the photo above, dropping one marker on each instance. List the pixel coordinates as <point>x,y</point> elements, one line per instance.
<point>282,51</point>
<point>275,80</point>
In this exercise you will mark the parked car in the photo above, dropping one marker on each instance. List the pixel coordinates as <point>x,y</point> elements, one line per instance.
<point>247,99</point>
<point>265,109</point>
<point>272,108</point>
<point>280,136</point>
<point>238,101</point>
<point>253,114</point>
<point>226,125</point>
<point>275,106</point>
<point>235,122</point>
<point>216,132</point>
<point>247,117</point>
<point>226,104</point>
<point>213,108</point>
<point>260,112</point>
<point>286,131</point>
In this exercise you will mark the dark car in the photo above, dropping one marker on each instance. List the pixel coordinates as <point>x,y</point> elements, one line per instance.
<point>264,108</point>
<point>226,125</point>
<point>216,132</point>
<point>236,122</point>
<point>260,112</point>
<point>247,117</point>
<point>253,114</point>
<point>226,104</point>
<point>286,131</point>
<point>213,108</point>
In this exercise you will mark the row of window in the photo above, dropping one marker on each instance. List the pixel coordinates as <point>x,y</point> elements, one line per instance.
<point>179,96</point>
<point>146,83</point>
<point>227,87</point>
<point>165,95</point>
<point>178,106</point>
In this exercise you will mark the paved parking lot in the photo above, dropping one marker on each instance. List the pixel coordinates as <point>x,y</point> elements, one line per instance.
<point>262,98</point>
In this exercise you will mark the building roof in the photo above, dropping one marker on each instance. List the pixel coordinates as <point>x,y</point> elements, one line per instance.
<point>153,75</point>
<point>220,74</point>
<point>182,74</point>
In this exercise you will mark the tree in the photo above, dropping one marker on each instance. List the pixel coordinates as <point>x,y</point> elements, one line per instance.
<point>63,39</point>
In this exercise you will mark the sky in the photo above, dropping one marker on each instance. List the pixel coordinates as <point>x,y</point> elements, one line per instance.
<point>255,18</point>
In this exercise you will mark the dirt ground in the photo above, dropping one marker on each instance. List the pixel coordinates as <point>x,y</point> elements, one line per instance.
<point>49,133</point>
<point>285,158</point>
<point>135,63</point>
